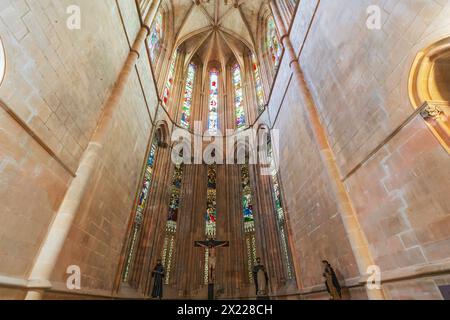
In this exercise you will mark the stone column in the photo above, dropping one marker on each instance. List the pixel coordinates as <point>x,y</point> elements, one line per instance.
<point>353,229</point>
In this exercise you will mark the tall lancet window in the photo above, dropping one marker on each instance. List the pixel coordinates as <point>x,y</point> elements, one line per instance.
<point>211,206</point>
<point>249,222</point>
<point>187,102</point>
<point>170,79</point>
<point>273,43</point>
<point>156,36</point>
<point>141,204</point>
<point>213,116</point>
<point>211,213</point>
<point>258,83</point>
<point>279,210</point>
<point>172,218</point>
<point>238,97</point>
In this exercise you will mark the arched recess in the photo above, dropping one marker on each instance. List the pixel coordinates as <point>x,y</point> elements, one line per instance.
<point>161,62</point>
<point>429,88</point>
<point>2,61</point>
<point>246,162</point>
<point>273,228</point>
<point>287,10</point>
<point>268,66</point>
<point>133,271</point>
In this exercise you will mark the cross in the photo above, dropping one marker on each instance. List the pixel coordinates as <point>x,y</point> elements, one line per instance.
<point>211,244</point>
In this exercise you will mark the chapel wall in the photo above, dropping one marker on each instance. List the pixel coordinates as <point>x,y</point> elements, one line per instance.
<point>396,179</point>
<point>57,82</point>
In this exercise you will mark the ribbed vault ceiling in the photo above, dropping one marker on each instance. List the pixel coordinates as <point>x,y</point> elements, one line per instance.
<point>216,31</point>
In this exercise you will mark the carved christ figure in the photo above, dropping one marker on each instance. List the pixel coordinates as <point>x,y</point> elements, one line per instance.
<point>211,244</point>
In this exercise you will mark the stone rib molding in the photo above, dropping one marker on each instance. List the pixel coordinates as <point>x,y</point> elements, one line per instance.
<point>35,137</point>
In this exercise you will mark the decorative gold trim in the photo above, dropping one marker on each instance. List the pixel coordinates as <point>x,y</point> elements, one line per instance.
<point>434,113</point>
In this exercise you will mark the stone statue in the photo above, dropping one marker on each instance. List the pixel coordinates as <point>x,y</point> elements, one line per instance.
<point>158,273</point>
<point>261,280</point>
<point>331,281</point>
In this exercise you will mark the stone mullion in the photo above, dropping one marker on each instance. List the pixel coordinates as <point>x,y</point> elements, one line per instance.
<point>260,221</point>
<point>238,235</point>
<point>189,253</point>
<point>163,52</point>
<point>197,98</point>
<point>177,88</point>
<point>265,79</point>
<point>265,228</point>
<point>195,256</point>
<point>162,56</point>
<point>223,100</point>
<point>205,102</point>
<point>136,269</point>
<point>284,11</point>
<point>163,72</point>
<point>184,229</point>
<point>239,229</point>
<point>222,231</point>
<point>162,205</point>
<point>139,265</point>
<point>266,68</point>
<point>234,283</point>
<point>229,97</point>
<point>181,225</point>
<point>250,91</point>
<point>271,232</point>
<point>198,227</point>
<point>146,250</point>
<point>233,240</point>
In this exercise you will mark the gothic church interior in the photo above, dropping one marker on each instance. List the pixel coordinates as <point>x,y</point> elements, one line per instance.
<point>284,149</point>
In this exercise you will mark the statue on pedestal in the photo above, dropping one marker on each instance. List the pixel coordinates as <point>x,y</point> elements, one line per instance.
<point>331,281</point>
<point>158,273</point>
<point>261,280</point>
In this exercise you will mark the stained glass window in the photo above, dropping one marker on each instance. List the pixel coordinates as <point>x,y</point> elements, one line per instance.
<point>238,97</point>
<point>187,102</point>
<point>211,206</point>
<point>279,210</point>
<point>293,3</point>
<point>258,84</point>
<point>247,200</point>
<point>170,79</point>
<point>249,222</point>
<point>273,43</point>
<point>213,117</point>
<point>172,218</point>
<point>211,214</point>
<point>140,206</point>
<point>156,36</point>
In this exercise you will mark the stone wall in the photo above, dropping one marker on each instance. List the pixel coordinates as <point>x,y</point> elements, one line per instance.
<point>396,179</point>
<point>56,84</point>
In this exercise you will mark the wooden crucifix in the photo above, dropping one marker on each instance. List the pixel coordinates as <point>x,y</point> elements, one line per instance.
<point>211,244</point>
